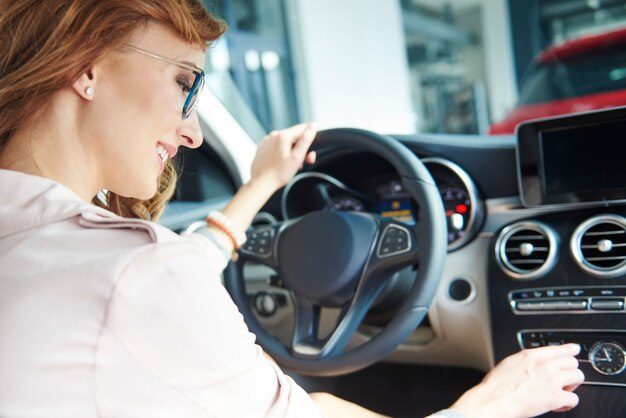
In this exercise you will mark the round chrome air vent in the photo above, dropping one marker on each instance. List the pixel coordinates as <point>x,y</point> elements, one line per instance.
<point>599,246</point>
<point>526,250</point>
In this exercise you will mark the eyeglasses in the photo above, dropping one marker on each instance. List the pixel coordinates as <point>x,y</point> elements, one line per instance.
<point>194,90</point>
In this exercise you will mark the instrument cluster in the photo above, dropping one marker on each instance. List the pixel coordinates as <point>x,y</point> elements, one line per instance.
<point>384,194</point>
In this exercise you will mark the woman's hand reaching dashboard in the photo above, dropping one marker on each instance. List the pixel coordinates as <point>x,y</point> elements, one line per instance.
<point>526,384</point>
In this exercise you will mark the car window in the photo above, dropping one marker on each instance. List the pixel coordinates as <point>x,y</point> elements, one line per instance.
<point>594,72</point>
<point>417,66</point>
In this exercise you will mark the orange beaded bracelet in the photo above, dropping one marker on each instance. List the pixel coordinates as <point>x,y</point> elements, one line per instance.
<point>222,223</point>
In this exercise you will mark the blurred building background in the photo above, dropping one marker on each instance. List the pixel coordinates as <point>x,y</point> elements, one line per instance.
<point>393,66</point>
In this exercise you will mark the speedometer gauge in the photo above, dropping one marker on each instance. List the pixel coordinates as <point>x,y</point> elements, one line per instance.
<point>457,204</point>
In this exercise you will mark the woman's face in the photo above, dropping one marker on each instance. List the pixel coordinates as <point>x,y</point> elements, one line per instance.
<point>135,112</point>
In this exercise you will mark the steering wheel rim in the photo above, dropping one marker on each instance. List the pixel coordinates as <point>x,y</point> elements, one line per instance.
<point>430,235</point>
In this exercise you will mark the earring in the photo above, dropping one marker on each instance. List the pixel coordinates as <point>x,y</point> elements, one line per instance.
<point>89,91</point>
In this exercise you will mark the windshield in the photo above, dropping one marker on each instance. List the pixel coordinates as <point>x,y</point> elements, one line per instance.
<point>414,66</point>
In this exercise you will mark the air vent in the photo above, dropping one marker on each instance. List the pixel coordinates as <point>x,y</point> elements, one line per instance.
<point>599,246</point>
<point>526,250</point>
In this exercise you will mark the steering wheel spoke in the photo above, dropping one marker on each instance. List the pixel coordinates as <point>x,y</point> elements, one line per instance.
<point>305,340</point>
<point>353,313</point>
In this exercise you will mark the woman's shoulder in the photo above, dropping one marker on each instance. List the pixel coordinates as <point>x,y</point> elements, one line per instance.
<point>94,218</point>
<point>153,248</point>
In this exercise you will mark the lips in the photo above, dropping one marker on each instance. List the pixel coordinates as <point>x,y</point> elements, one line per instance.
<point>171,150</point>
<point>164,151</point>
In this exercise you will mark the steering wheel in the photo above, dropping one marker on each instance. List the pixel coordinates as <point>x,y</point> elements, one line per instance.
<point>342,260</point>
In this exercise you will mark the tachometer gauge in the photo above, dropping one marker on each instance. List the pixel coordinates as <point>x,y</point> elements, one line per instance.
<point>457,204</point>
<point>345,203</point>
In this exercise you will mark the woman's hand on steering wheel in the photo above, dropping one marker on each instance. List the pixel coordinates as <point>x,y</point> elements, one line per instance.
<point>281,154</point>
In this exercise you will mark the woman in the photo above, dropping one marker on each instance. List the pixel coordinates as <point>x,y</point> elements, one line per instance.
<point>104,313</point>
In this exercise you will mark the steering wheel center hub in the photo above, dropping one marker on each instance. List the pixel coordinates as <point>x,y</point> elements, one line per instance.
<point>324,254</point>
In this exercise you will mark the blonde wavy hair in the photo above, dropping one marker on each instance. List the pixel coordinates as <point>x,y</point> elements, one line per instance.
<point>45,46</point>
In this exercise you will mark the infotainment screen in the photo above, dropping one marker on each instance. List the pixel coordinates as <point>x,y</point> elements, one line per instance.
<point>573,159</point>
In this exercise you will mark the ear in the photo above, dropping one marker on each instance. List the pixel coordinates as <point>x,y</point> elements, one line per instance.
<point>85,85</point>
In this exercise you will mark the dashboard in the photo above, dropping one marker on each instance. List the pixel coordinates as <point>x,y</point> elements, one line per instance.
<point>515,276</point>
<point>521,271</point>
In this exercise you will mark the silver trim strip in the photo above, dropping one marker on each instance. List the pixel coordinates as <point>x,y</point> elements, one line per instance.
<point>556,298</point>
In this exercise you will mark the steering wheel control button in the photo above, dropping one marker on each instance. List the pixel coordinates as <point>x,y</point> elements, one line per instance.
<point>394,240</point>
<point>260,242</point>
<point>607,358</point>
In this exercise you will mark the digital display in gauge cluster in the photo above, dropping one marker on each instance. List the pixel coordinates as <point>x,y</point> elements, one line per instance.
<point>395,202</point>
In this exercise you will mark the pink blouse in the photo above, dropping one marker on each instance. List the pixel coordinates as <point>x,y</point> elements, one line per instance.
<point>102,316</point>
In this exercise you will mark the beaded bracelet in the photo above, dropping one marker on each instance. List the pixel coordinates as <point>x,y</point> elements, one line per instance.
<point>221,222</point>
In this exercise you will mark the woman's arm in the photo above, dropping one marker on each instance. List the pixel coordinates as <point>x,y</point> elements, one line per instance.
<point>525,384</point>
<point>279,156</point>
<point>335,407</point>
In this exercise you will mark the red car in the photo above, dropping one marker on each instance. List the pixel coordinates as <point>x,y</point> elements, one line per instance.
<point>579,75</point>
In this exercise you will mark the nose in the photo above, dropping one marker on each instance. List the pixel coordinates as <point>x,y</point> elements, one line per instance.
<point>188,133</point>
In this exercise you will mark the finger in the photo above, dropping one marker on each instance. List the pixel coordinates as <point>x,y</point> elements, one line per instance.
<point>563,363</point>
<point>565,401</point>
<point>304,142</point>
<point>567,378</point>
<point>571,388</point>
<point>547,352</point>
<point>311,157</point>
<point>293,132</point>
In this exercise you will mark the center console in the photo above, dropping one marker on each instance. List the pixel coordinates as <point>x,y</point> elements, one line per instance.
<point>565,302</point>
<point>559,276</point>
